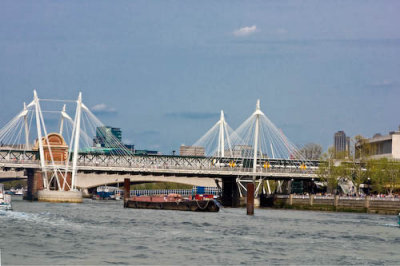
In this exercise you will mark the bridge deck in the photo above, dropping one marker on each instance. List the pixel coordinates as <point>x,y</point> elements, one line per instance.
<point>171,165</point>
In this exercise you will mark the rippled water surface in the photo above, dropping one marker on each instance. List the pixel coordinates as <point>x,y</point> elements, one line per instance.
<point>99,232</point>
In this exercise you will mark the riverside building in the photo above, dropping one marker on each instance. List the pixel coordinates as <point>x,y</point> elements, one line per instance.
<point>379,146</point>
<point>107,137</point>
<point>191,150</point>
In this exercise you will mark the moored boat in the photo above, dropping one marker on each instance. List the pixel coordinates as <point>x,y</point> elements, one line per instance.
<point>13,191</point>
<point>107,193</point>
<point>5,199</point>
<point>172,202</point>
<point>19,192</point>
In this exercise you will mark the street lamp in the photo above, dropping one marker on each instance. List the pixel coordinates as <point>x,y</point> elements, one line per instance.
<point>368,185</point>
<point>291,186</point>
<point>312,186</point>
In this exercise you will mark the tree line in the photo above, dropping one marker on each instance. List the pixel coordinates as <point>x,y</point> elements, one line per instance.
<point>376,176</point>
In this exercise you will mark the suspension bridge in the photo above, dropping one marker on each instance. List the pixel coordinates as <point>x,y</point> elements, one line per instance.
<point>79,153</point>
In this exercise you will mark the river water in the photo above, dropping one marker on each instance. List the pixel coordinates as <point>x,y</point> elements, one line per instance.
<point>103,232</point>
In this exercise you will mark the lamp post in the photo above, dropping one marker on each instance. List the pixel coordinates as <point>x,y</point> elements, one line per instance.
<point>290,186</point>
<point>368,185</point>
<point>312,186</point>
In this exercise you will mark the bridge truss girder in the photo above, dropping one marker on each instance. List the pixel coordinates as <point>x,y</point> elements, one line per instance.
<point>18,155</point>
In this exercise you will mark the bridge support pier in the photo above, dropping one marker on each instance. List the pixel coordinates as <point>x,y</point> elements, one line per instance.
<point>36,190</point>
<point>127,191</point>
<point>250,199</point>
<point>230,193</point>
<point>35,183</point>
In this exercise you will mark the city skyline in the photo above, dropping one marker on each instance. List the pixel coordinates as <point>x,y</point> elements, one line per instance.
<point>163,76</point>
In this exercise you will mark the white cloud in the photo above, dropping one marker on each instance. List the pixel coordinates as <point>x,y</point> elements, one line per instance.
<point>245,31</point>
<point>383,84</point>
<point>102,108</point>
<point>281,31</point>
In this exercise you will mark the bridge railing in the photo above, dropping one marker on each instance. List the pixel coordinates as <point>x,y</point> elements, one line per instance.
<point>20,162</point>
<point>202,168</point>
<point>176,166</point>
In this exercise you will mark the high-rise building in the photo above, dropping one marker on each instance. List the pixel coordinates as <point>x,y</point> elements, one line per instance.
<point>341,144</point>
<point>108,137</point>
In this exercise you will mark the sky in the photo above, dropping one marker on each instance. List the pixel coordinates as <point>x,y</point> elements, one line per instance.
<point>163,70</point>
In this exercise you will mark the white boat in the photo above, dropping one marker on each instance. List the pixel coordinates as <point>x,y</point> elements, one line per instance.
<point>5,200</point>
<point>19,192</point>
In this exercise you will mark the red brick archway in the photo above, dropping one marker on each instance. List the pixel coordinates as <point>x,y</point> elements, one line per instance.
<point>59,150</point>
<point>57,145</point>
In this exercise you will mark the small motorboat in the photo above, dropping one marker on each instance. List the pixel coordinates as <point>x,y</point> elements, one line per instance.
<point>107,193</point>
<point>19,192</point>
<point>5,199</point>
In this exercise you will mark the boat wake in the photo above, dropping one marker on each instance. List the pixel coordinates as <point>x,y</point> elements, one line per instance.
<point>391,225</point>
<point>43,218</point>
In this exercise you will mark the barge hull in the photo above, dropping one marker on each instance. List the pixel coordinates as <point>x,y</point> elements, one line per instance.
<point>193,205</point>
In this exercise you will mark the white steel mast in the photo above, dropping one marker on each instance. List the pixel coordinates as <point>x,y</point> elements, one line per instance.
<point>39,132</point>
<point>26,127</point>
<point>256,133</point>
<point>221,141</point>
<point>62,120</point>
<point>76,141</point>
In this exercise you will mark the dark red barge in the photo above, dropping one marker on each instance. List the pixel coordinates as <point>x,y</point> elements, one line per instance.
<point>171,202</point>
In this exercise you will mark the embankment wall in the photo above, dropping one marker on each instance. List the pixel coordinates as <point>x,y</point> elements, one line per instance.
<point>389,206</point>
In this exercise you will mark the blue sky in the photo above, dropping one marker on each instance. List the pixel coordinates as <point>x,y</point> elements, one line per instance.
<point>162,70</point>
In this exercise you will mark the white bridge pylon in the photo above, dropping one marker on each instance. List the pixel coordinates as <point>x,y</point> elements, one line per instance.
<point>31,121</point>
<point>257,140</point>
<point>264,141</point>
<point>56,170</point>
<point>217,140</point>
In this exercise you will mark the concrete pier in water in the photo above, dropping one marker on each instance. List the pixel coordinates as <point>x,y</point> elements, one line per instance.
<point>60,196</point>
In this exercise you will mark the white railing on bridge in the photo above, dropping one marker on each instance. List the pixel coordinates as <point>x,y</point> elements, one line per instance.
<point>212,168</point>
<point>20,162</point>
<point>169,166</point>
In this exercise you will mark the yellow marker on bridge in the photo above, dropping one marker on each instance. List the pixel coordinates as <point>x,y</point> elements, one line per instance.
<point>303,167</point>
<point>232,164</point>
<point>267,165</point>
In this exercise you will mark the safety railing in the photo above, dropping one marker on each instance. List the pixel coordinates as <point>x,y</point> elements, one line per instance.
<point>384,199</point>
<point>373,198</point>
<point>281,169</point>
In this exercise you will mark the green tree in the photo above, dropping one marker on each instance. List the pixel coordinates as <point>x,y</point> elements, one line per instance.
<point>385,175</point>
<point>363,149</point>
<point>333,170</point>
<point>328,172</point>
<point>359,161</point>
